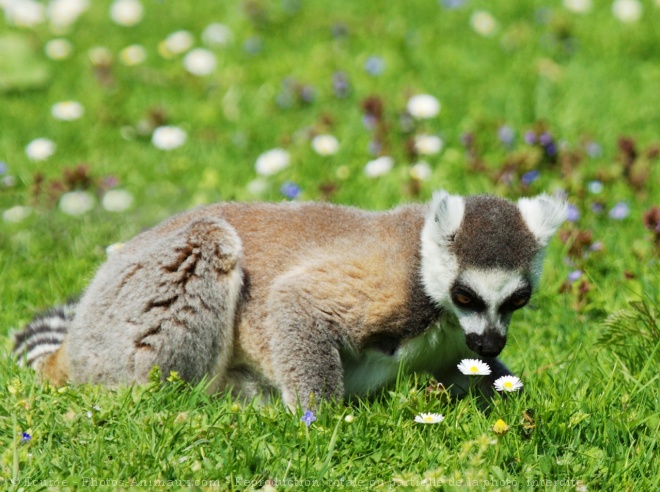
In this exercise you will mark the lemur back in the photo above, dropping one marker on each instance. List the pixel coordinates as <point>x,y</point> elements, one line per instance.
<point>300,298</point>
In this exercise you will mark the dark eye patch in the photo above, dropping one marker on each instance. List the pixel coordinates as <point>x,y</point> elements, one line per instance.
<point>516,300</point>
<point>465,298</point>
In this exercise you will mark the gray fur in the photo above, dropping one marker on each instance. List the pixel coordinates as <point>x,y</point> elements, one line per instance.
<point>493,235</point>
<point>171,303</point>
<point>309,300</point>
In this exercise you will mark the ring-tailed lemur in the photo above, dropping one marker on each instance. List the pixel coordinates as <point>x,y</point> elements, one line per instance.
<point>303,298</point>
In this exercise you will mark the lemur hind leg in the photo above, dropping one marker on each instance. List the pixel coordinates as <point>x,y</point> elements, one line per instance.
<point>168,301</point>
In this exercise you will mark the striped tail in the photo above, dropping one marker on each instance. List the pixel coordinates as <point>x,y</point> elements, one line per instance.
<point>43,335</point>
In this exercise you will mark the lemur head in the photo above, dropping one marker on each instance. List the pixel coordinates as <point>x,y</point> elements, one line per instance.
<point>482,258</point>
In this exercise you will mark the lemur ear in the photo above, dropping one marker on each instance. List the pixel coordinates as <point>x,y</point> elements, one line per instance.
<point>543,215</point>
<point>447,212</point>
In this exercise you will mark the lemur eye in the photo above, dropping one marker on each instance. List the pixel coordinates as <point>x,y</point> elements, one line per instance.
<point>463,299</point>
<point>515,303</point>
<point>519,302</point>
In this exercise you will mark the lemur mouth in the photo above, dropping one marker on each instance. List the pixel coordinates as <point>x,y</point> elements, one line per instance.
<point>488,344</point>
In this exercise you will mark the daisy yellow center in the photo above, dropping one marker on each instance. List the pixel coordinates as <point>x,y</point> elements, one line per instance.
<point>428,418</point>
<point>474,369</point>
<point>508,384</point>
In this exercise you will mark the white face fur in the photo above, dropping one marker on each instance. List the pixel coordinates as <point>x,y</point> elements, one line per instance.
<point>482,299</point>
<point>494,289</point>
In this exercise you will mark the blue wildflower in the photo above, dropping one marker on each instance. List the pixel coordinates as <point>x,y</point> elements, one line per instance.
<point>574,275</point>
<point>506,134</point>
<point>406,122</point>
<point>593,149</point>
<point>26,437</point>
<point>620,211</point>
<point>374,147</point>
<point>340,84</point>
<point>597,208</point>
<point>545,139</point>
<point>308,418</point>
<point>596,246</point>
<point>530,137</point>
<point>529,177</point>
<point>284,99</point>
<point>595,187</point>
<point>3,167</point>
<point>369,121</point>
<point>253,45</point>
<point>339,30</point>
<point>307,94</point>
<point>374,65</point>
<point>467,139</point>
<point>551,149</point>
<point>573,214</point>
<point>452,4</point>
<point>290,190</point>
<point>506,178</point>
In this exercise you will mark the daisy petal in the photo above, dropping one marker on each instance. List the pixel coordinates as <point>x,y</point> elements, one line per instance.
<point>474,367</point>
<point>508,384</point>
<point>429,418</point>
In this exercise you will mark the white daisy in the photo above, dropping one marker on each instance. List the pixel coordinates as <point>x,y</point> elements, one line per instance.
<point>508,383</point>
<point>178,42</point>
<point>595,187</point>
<point>117,200</point>
<point>428,144</point>
<point>113,248</point>
<point>200,62</point>
<point>77,202</point>
<point>325,144</point>
<point>349,418</point>
<point>379,167</point>
<point>16,214</point>
<point>421,171</point>
<point>474,367</point>
<point>483,23</point>
<point>429,418</point>
<point>126,12</point>
<point>216,35</point>
<point>272,162</point>
<point>578,6</point>
<point>67,110</point>
<point>423,106</point>
<point>168,137</point>
<point>58,49</point>
<point>258,186</point>
<point>63,13</point>
<point>133,55</point>
<point>627,11</point>
<point>25,13</point>
<point>40,149</point>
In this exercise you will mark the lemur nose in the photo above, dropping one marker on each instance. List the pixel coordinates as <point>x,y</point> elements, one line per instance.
<point>488,344</point>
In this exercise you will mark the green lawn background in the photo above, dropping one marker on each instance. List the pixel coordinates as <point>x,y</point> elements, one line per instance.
<point>587,79</point>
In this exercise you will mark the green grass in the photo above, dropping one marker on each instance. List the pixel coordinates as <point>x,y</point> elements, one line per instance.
<point>590,411</point>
